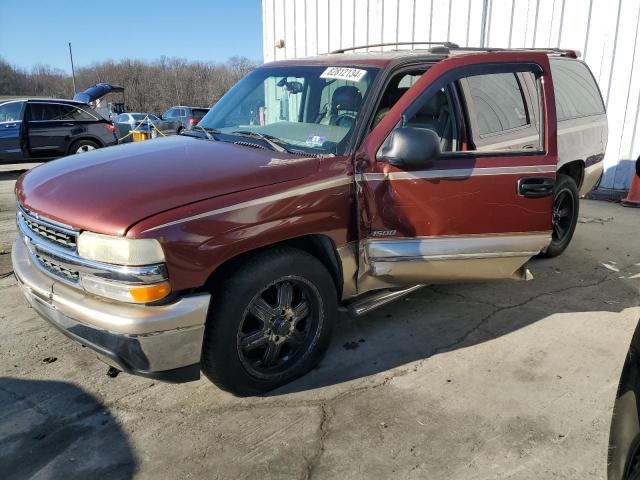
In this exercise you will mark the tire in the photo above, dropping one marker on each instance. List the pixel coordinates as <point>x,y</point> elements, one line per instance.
<point>565,196</point>
<point>82,146</point>
<point>260,333</point>
<point>179,131</point>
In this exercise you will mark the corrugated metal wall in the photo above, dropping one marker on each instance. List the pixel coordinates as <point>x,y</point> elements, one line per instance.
<point>606,31</point>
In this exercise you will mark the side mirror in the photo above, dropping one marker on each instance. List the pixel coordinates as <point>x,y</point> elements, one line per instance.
<point>410,147</point>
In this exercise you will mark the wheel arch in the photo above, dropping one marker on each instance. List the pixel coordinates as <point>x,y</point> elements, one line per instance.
<point>318,245</point>
<point>575,170</point>
<point>84,137</point>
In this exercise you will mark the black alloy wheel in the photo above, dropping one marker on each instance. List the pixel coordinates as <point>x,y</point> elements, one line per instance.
<point>278,327</point>
<point>564,216</point>
<point>269,322</point>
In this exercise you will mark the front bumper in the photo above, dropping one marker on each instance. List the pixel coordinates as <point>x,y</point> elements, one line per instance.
<point>162,342</point>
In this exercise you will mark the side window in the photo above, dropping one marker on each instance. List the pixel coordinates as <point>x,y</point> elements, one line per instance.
<point>502,115</point>
<point>408,80</point>
<point>39,112</point>
<point>438,114</point>
<point>499,102</point>
<point>396,88</point>
<point>181,112</point>
<point>11,112</point>
<point>122,118</point>
<point>169,113</point>
<point>576,91</point>
<point>74,113</point>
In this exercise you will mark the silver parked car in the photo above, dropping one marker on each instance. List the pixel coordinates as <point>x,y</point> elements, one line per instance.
<point>125,122</point>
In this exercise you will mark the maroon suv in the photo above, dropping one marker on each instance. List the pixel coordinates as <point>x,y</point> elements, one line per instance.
<point>345,179</point>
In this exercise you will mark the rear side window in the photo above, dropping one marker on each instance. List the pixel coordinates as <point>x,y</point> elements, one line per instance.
<point>576,91</point>
<point>45,111</point>
<point>199,113</point>
<point>499,102</point>
<point>74,113</point>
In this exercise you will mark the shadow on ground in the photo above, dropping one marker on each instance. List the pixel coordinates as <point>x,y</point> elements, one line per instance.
<point>443,318</point>
<point>56,430</point>
<point>11,175</point>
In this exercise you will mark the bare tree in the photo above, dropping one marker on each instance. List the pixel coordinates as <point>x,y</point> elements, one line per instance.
<point>149,86</point>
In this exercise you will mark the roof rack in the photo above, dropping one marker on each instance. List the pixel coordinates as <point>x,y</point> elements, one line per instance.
<point>395,44</point>
<point>563,52</point>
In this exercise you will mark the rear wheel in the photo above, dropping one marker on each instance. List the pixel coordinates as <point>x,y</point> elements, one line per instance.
<point>565,215</point>
<point>83,146</point>
<point>269,323</point>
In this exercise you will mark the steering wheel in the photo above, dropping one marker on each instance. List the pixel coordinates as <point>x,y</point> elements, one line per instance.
<point>345,121</point>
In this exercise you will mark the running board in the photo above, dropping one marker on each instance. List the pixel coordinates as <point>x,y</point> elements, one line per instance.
<point>377,299</point>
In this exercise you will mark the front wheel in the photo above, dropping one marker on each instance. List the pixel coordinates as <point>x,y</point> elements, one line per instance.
<point>269,323</point>
<point>565,215</point>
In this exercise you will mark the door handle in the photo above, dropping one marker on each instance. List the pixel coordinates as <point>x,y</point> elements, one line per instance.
<point>11,125</point>
<point>68,124</point>
<point>536,187</point>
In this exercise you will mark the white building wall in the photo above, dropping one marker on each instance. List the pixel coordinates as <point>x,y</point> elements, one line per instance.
<point>605,31</point>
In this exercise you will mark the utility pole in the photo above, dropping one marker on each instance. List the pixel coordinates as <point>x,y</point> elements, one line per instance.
<point>73,73</point>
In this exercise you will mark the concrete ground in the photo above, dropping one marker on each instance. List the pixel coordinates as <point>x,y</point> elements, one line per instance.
<point>502,380</point>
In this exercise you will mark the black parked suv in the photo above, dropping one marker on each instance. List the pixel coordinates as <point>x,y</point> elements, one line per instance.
<point>41,129</point>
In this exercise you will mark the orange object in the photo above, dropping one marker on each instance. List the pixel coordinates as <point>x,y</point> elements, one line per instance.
<point>139,135</point>
<point>150,293</point>
<point>633,197</point>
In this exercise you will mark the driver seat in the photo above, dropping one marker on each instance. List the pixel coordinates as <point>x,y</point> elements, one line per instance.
<point>345,104</point>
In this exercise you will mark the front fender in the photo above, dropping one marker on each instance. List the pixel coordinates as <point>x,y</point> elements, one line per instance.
<point>199,238</point>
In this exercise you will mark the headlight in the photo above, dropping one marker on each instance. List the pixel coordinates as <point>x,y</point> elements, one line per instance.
<point>119,250</point>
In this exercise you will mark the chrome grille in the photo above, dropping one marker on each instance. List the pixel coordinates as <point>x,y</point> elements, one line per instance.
<point>50,232</point>
<point>58,270</point>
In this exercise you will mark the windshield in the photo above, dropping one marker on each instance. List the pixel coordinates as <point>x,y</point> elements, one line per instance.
<point>199,113</point>
<point>307,108</point>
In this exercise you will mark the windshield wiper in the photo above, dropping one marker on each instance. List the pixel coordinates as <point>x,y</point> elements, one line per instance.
<point>206,131</point>
<point>273,142</point>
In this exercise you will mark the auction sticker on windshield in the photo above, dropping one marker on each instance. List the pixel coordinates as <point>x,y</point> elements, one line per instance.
<point>344,73</point>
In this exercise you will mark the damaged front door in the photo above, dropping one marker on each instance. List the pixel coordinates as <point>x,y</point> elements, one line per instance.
<point>438,205</point>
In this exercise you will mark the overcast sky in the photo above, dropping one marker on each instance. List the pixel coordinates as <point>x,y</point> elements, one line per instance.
<point>37,31</point>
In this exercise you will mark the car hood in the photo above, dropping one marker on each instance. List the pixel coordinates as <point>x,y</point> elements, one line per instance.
<point>99,90</point>
<point>108,190</point>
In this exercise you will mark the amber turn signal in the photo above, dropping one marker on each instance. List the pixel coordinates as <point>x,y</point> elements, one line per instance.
<point>149,293</point>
